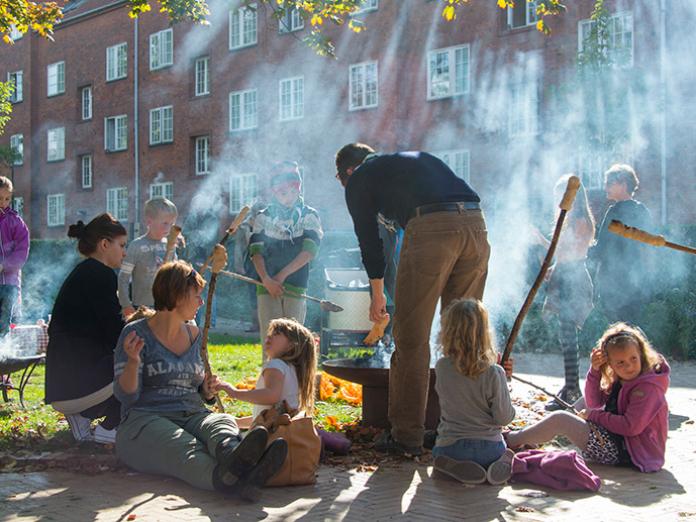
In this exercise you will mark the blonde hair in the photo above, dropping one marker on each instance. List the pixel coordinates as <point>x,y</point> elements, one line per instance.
<point>466,337</point>
<point>621,335</point>
<point>6,183</point>
<point>159,205</point>
<point>302,355</point>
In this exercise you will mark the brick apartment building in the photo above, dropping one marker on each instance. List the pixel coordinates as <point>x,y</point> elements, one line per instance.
<point>115,111</point>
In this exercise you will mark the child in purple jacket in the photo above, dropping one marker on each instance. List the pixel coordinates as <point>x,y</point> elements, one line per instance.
<point>14,250</point>
<point>626,420</point>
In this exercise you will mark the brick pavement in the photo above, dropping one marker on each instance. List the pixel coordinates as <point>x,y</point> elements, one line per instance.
<point>396,491</point>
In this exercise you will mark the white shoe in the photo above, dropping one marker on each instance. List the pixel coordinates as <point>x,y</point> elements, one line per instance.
<point>500,471</point>
<point>80,427</point>
<point>104,436</point>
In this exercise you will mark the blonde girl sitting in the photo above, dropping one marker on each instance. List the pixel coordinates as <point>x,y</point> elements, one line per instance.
<point>474,399</point>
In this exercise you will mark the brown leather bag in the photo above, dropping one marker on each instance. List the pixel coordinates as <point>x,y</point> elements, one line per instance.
<point>304,450</point>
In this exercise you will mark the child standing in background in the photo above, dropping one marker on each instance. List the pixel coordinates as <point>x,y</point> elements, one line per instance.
<point>14,250</point>
<point>145,255</point>
<point>474,399</point>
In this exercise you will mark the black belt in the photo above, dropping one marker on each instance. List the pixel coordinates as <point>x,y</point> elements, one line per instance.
<point>452,206</point>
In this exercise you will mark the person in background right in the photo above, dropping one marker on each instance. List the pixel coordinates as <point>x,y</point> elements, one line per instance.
<point>569,291</point>
<point>622,266</point>
<point>626,422</point>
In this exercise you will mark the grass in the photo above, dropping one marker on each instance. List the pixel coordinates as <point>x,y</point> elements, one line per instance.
<point>41,428</point>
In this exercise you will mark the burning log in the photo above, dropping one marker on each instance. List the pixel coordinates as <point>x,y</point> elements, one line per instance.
<point>172,239</point>
<point>565,205</point>
<point>377,331</point>
<point>636,234</point>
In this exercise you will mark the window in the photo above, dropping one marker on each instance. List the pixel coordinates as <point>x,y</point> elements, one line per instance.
<point>115,133</point>
<point>243,111</point>
<point>448,72</point>
<point>523,110</point>
<point>523,13</point>
<point>291,98</point>
<point>17,145</point>
<point>55,151</point>
<point>55,211</point>
<point>292,21</point>
<point>161,49</point>
<point>242,191</point>
<point>243,32</point>
<point>363,86</point>
<point>161,125</point>
<point>367,5</point>
<point>86,102</point>
<point>619,38</point>
<point>56,78</point>
<point>18,205</point>
<point>16,81</point>
<point>162,190</point>
<point>117,61</point>
<point>15,34</point>
<point>117,203</point>
<point>86,170</point>
<point>202,155</point>
<point>202,76</point>
<point>457,160</point>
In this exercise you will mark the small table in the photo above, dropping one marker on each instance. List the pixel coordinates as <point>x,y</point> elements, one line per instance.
<point>10,365</point>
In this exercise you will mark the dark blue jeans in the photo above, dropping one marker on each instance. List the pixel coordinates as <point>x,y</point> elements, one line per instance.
<point>484,452</point>
<point>8,300</point>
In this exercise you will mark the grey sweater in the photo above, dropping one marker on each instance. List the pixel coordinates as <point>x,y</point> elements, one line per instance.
<point>471,408</point>
<point>143,259</point>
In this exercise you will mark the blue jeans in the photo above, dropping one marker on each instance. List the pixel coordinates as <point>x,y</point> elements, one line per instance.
<point>483,452</point>
<point>8,300</point>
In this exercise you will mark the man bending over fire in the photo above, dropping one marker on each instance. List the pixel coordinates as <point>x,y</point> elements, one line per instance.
<point>444,256</point>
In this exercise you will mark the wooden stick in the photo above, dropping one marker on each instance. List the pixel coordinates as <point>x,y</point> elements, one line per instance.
<point>560,401</point>
<point>565,205</point>
<point>172,238</point>
<point>229,232</point>
<point>617,227</point>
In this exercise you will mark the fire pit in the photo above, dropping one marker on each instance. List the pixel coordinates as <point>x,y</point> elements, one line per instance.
<point>374,377</point>
<point>10,365</point>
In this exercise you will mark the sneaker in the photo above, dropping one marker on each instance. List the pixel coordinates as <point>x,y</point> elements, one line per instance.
<point>104,436</point>
<point>388,444</point>
<point>465,471</point>
<point>500,471</point>
<point>80,426</point>
<point>249,486</point>
<point>569,395</point>
<point>236,457</point>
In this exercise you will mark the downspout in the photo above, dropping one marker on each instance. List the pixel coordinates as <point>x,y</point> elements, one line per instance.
<point>663,113</point>
<point>136,132</point>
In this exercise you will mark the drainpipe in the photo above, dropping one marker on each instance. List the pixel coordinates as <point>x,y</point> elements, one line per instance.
<point>663,112</point>
<point>136,132</point>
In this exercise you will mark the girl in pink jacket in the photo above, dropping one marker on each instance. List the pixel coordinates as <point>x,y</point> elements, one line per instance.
<point>625,422</point>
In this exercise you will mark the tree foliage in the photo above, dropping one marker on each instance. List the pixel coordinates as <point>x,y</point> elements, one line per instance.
<point>6,89</point>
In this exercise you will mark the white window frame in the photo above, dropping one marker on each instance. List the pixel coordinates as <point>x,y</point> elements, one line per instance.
<point>117,203</point>
<point>241,34</point>
<point>162,125</point>
<point>459,160</point>
<point>17,144</point>
<point>523,110</point>
<point>117,62</point>
<point>17,79</point>
<point>202,155</point>
<point>161,49</point>
<point>120,130</point>
<point>247,118</point>
<point>162,189</point>
<point>55,210</point>
<point>361,99</point>
<point>243,189</point>
<point>86,171</point>
<point>55,144</point>
<point>626,17</point>
<point>18,205</point>
<point>530,14</point>
<point>291,98</point>
<point>291,22</point>
<point>55,79</point>
<point>202,76</point>
<point>367,7</point>
<point>86,99</point>
<point>452,71</point>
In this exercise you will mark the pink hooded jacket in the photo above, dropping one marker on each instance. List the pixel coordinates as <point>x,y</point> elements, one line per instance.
<point>643,414</point>
<point>14,246</point>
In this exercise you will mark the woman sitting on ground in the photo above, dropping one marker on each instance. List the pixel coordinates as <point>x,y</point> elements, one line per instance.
<point>85,326</point>
<point>161,382</point>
